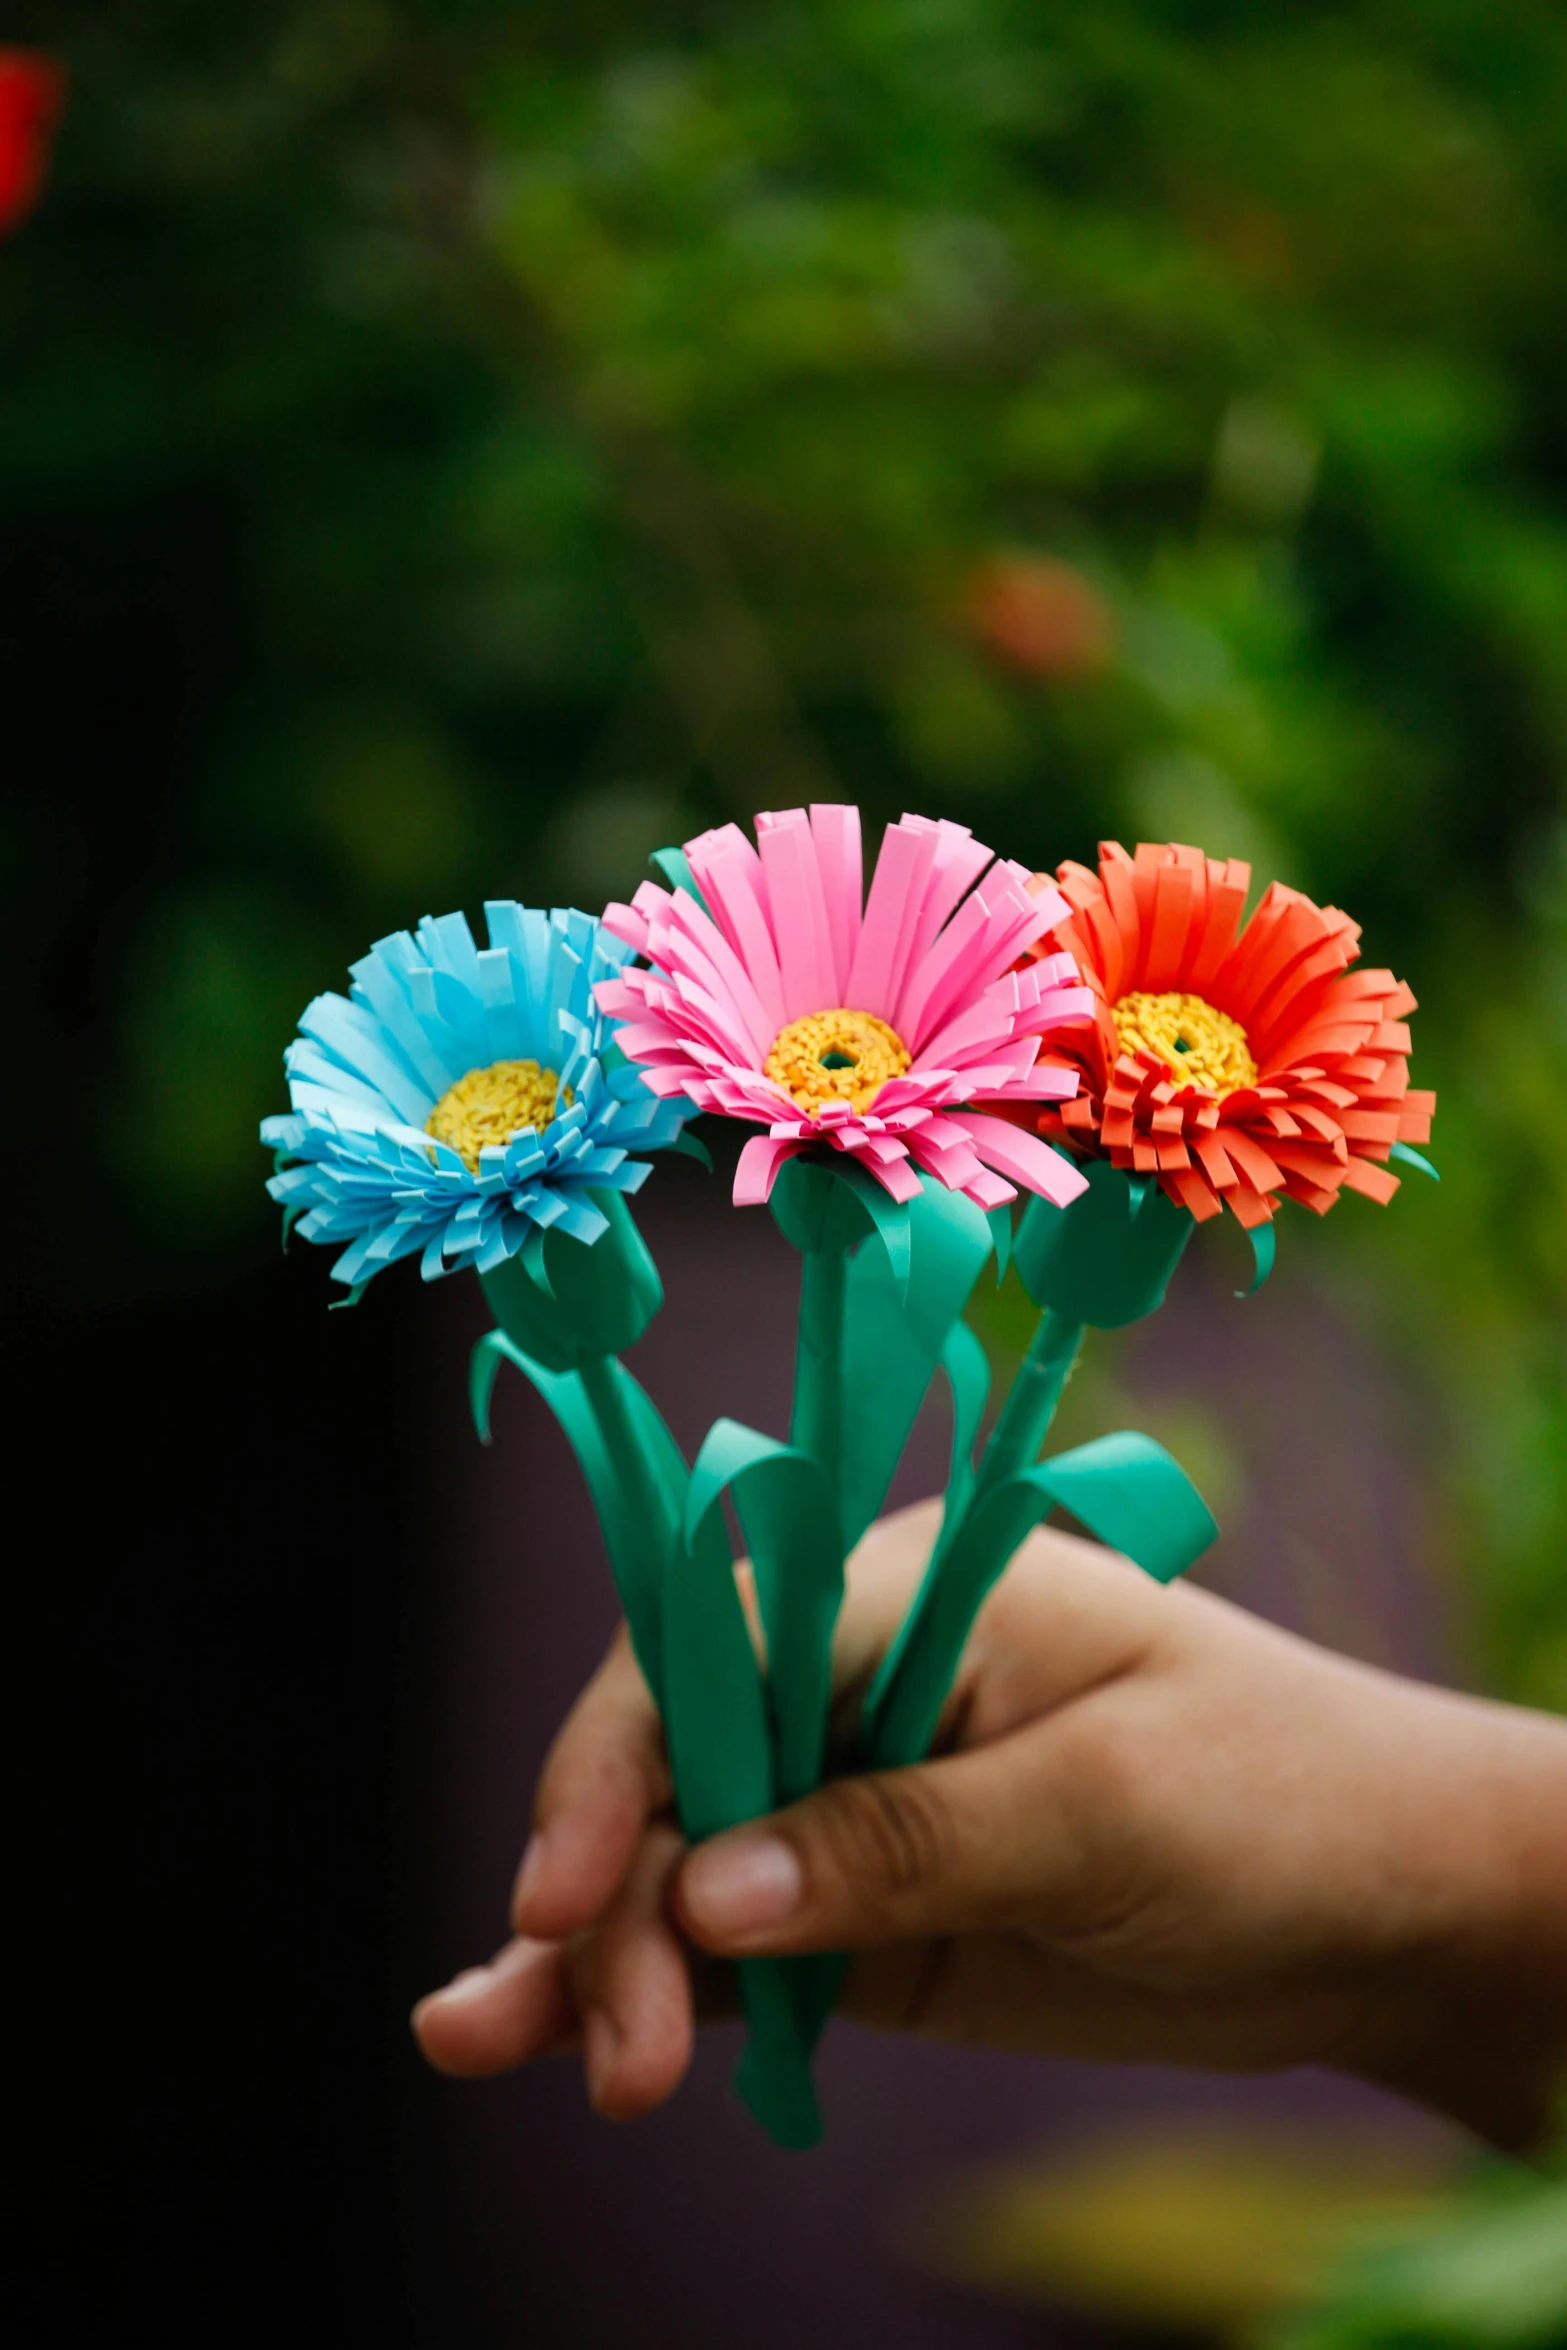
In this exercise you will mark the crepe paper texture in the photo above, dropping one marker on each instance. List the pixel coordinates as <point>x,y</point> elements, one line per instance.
<point>32,96</point>
<point>406,1135</point>
<point>1122,1049</point>
<point>891,1031</point>
<point>1234,1063</point>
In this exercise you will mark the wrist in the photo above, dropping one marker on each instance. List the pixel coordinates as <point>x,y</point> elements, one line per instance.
<point>1470,2017</point>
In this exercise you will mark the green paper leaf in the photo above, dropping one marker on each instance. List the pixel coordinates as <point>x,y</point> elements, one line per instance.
<point>1124,1488</point>
<point>1264,1247</point>
<point>1107,1259</point>
<point>1133,1495</point>
<point>967,1367</point>
<point>715,1712</point>
<point>893,1341</point>
<point>340,1304</point>
<point>1413,1158</point>
<point>634,1471</point>
<point>564,1302</point>
<point>791,1529</point>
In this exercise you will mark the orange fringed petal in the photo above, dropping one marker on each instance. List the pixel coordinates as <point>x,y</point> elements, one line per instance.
<point>1189,1190</point>
<point>1329,1036</point>
<point>1378,1183</point>
<point>1167,931</point>
<point>1251,1207</point>
<point>1226,904</point>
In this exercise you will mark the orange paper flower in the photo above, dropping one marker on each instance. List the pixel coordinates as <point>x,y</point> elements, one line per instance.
<point>1236,1064</point>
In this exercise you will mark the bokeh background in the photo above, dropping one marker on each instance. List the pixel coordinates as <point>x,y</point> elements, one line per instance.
<point>449,450</point>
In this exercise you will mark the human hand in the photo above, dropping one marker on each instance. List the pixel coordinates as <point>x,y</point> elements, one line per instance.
<point>1153,1828</point>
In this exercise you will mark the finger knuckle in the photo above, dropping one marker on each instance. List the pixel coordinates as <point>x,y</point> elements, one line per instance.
<point>886,1837</point>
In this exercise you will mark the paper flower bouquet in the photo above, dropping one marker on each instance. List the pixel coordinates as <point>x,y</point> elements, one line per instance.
<point>1118,1045</point>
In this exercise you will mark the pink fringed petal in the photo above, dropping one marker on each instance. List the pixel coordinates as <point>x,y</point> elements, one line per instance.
<point>897,888</point>
<point>758,1167</point>
<point>894,1173</point>
<point>800,927</point>
<point>957,863</point>
<point>1022,1158</point>
<point>836,833</point>
<point>729,873</point>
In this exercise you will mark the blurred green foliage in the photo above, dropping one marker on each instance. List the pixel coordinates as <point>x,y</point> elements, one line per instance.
<point>1484,2268</point>
<point>599,415</point>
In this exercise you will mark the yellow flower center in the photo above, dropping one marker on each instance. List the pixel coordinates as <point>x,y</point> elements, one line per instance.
<point>1198,1045</point>
<point>838,1056</point>
<point>491,1105</point>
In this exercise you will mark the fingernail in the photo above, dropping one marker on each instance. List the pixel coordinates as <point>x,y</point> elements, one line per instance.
<point>600,2047</point>
<point>530,1872</point>
<point>741,1884</point>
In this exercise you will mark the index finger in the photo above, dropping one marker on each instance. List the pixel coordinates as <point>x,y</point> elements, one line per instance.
<point>606,1775</point>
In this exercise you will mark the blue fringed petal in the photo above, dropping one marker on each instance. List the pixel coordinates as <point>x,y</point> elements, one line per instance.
<point>354,1162</point>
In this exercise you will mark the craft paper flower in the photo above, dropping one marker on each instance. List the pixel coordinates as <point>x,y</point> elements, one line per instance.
<point>891,1032</point>
<point>458,1098</point>
<point>32,91</point>
<point>1236,1064</point>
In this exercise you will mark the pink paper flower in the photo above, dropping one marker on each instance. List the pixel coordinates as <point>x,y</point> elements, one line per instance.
<point>889,1032</point>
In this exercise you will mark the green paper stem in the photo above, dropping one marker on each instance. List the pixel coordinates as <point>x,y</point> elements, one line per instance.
<point>967,1369</point>
<point>816,1426</point>
<point>791,1531</point>
<point>721,1752</point>
<point>790,1524</point>
<point>968,1375</point>
<point>774,2074</point>
<point>1124,1488</point>
<point>1026,1415</point>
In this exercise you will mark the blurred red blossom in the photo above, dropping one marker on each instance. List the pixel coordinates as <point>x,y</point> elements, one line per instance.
<point>32,92</point>
<point>1039,616</point>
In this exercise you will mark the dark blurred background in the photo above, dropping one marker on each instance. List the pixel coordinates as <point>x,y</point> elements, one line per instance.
<point>448,451</point>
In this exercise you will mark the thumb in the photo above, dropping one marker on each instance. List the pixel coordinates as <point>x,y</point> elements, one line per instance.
<point>943,1847</point>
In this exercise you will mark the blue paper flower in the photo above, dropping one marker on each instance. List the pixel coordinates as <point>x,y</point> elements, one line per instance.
<point>368,1071</point>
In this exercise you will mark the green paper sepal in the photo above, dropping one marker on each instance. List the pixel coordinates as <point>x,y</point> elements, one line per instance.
<point>564,1302</point>
<point>823,1205</point>
<point>1264,1248</point>
<point>1413,1158</point>
<point>691,1146</point>
<point>674,868</point>
<point>1107,1259</point>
